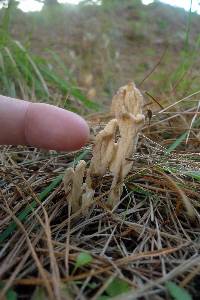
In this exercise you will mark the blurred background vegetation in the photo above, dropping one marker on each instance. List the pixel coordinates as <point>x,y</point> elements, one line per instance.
<point>77,56</point>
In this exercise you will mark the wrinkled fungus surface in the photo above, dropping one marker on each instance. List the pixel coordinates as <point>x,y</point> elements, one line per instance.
<point>112,146</point>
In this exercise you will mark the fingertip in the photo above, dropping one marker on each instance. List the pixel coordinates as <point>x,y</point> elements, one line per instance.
<point>54,128</point>
<point>77,132</point>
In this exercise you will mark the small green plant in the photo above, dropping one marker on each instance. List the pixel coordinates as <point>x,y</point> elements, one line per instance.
<point>83,259</point>
<point>10,294</point>
<point>177,292</point>
<point>115,288</point>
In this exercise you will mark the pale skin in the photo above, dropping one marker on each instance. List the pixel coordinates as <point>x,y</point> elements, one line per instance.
<point>40,125</point>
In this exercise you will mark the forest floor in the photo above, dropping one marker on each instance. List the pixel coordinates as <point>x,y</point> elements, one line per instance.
<point>147,246</point>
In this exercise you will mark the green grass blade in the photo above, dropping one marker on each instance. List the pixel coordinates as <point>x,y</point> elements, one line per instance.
<point>181,138</point>
<point>177,292</point>
<point>15,71</point>
<point>29,208</point>
<point>177,142</point>
<point>61,64</point>
<point>2,62</point>
<point>34,66</point>
<point>193,174</point>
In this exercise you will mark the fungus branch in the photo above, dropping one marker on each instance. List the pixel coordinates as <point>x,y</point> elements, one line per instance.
<point>113,145</point>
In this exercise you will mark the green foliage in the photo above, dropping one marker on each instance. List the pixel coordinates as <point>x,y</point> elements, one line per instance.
<point>10,294</point>
<point>177,292</point>
<point>30,77</point>
<point>181,79</point>
<point>115,288</point>
<point>179,73</point>
<point>193,174</point>
<point>181,138</point>
<point>27,76</point>
<point>162,24</point>
<point>6,20</point>
<point>83,259</point>
<point>176,143</point>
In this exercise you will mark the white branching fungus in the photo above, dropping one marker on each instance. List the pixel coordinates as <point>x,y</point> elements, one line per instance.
<point>73,185</point>
<point>104,150</point>
<point>127,106</point>
<point>110,154</point>
<point>128,99</point>
<point>112,148</point>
